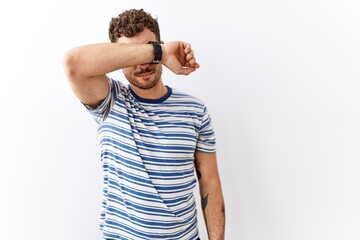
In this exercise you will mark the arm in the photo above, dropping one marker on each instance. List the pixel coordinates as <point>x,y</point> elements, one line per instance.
<point>86,66</point>
<point>212,201</point>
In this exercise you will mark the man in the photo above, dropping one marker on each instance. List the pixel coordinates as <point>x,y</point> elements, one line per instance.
<point>151,135</point>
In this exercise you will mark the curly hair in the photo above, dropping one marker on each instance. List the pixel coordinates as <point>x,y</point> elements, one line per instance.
<point>131,22</point>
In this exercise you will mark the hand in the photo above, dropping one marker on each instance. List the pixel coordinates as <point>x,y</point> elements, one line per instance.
<point>179,57</point>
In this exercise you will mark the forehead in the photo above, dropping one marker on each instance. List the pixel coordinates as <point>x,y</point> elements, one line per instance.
<point>142,37</point>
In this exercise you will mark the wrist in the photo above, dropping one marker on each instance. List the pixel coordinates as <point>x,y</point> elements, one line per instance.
<point>157,50</point>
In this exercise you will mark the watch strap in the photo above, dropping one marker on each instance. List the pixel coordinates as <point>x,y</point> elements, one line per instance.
<point>157,52</point>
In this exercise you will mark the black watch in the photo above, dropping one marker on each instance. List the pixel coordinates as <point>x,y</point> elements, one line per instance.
<point>157,52</point>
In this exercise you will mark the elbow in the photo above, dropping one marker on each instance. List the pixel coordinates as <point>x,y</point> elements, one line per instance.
<point>70,64</point>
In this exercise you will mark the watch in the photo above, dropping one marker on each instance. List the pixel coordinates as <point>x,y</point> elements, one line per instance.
<point>157,52</point>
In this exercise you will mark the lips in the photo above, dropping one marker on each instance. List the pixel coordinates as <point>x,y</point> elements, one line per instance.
<point>144,74</point>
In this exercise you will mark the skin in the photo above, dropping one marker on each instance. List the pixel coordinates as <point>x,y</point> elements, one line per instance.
<point>212,201</point>
<point>86,68</point>
<point>145,79</point>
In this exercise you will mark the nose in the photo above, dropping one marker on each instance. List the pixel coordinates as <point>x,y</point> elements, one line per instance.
<point>143,66</point>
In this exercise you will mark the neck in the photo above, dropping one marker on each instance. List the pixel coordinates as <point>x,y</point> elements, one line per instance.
<point>156,92</point>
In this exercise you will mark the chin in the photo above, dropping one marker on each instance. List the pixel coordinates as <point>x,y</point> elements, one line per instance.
<point>144,84</point>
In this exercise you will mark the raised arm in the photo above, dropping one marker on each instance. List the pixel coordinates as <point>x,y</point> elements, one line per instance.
<point>86,66</point>
<point>212,201</point>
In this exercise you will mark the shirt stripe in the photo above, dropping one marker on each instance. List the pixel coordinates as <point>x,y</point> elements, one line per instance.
<point>147,152</point>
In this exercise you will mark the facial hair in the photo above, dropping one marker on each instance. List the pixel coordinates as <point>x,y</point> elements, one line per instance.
<point>144,84</point>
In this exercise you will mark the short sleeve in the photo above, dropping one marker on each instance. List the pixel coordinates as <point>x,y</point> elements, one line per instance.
<point>100,113</point>
<point>206,141</point>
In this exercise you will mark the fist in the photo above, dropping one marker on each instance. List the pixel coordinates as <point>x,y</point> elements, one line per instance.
<point>179,57</point>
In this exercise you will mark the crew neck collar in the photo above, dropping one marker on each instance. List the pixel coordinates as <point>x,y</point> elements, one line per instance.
<point>146,100</point>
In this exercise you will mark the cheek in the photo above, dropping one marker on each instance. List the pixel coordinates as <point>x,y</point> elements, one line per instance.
<point>159,69</point>
<point>127,71</point>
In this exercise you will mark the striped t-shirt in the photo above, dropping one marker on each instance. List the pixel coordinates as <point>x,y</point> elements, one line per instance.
<point>147,152</point>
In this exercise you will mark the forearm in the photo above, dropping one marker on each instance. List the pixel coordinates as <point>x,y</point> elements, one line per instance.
<point>212,201</point>
<point>99,59</point>
<point>213,207</point>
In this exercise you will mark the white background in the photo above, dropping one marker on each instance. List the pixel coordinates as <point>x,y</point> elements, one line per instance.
<point>281,81</point>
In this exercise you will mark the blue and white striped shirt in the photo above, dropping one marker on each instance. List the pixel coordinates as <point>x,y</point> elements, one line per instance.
<point>147,152</point>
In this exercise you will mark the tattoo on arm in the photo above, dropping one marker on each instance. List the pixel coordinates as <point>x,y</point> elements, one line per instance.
<point>223,213</point>
<point>204,201</point>
<point>223,210</point>
<point>198,173</point>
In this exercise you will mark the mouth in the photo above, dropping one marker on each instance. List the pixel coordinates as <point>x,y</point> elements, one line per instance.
<point>144,74</point>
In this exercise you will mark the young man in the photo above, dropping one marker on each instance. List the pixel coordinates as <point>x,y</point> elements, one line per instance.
<point>151,136</point>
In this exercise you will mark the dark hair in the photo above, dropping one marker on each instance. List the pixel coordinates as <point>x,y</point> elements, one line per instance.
<point>131,22</point>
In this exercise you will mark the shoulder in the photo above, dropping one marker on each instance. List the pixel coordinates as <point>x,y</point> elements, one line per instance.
<point>115,83</point>
<point>180,97</point>
<point>117,87</point>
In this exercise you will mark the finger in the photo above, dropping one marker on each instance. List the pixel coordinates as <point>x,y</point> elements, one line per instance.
<point>190,55</point>
<point>187,49</point>
<point>193,63</point>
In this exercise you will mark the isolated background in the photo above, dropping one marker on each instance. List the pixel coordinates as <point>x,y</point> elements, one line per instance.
<point>280,78</point>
